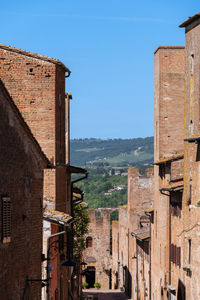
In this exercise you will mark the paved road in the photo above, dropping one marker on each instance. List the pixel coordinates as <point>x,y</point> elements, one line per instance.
<point>93,294</point>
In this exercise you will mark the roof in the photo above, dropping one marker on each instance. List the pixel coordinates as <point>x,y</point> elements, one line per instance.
<point>168,47</point>
<point>123,206</point>
<point>174,186</point>
<point>192,139</point>
<point>143,235</point>
<point>169,159</point>
<point>149,210</point>
<point>115,222</point>
<point>57,217</point>
<point>34,55</point>
<point>190,20</point>
<point>76,170</point>
<point>24,124</point>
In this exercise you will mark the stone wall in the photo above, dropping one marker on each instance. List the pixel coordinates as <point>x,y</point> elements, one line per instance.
<point>98,254</point>
<point>128,261</point>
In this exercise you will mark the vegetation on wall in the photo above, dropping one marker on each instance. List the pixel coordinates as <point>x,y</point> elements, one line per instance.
<point>80,228</point>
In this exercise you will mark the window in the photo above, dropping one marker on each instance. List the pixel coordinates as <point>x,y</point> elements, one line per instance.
<point>6,220</point>
<point>189,251</point>
<point>175,254</point>
<point>88,242</point>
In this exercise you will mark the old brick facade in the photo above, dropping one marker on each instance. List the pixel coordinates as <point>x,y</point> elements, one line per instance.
<point>37,86</point>
<point>97,254</point>
<point>131,236</point>
<point>168,155</point>
<point>175,232</point>
<point>21,192</point>
<point>190,235</point>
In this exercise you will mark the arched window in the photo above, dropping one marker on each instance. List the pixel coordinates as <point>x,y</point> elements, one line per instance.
<point>88,242</point>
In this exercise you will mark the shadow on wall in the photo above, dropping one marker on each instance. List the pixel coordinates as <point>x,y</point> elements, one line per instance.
<point>181,291</point>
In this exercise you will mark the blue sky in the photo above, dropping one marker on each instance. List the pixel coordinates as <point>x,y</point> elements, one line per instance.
<point>108,46</point>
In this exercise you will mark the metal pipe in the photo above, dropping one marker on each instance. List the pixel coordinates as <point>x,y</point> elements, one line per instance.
<point>68,97</point>
<point>150,262</point>
<point>149,216</point>
<point>137,269</point>
<point>170,240</point>
<point>69,73</point>
<point>48,290</point>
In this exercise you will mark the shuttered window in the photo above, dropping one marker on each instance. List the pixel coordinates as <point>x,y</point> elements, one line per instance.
<point>179,256</point>
<point>88,242</point>
<point>6,219</point>
<point>175,253</point>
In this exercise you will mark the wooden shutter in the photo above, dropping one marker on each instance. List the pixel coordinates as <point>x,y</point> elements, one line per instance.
<point>6,219</point>
<point>179,256</point>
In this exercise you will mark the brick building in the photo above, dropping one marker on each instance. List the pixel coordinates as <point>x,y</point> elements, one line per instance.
<point>190,235</point>
<point>131,234</point>
<point>97,254</point>
<point>168,170</point>
<point>37,86</point>
<point>175,242</point>
<point>21,191</point>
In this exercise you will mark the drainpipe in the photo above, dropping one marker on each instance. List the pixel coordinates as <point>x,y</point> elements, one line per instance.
<point>128,286</point>
<point>170,240</point>
<point>48,290</point>
<point>68,97</point>
<point>137,267</point>
<point>149,216</point>
<point>48,259</point>
<point>150,262</point>
<point>67,156</point>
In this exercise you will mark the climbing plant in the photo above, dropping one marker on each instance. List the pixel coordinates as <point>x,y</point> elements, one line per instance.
<point>80,228</point>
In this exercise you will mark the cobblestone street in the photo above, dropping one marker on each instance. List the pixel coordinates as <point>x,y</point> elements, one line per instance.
<point>93,294</point>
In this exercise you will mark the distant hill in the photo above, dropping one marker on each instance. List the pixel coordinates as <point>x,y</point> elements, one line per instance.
<point>107,162</point>
<point>112,152</point>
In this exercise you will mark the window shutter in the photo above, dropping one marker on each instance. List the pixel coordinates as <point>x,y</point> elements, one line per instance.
<point>6,219</point>
<point>171,252</point>
<point>179,256</point>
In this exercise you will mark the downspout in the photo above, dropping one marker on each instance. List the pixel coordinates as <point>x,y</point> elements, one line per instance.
<point>68,97</point>
<point>118,262</point>
<point>149,216</point>
<point>150,262</point>
<point>128,266</point>
<point>48,290</point>
<point>170,239</point>
<point>137,268</point>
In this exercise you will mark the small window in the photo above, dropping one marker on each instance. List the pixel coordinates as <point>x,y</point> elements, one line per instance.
<point>189,251</point>
<point>6,219</point>
<point>88,242</point>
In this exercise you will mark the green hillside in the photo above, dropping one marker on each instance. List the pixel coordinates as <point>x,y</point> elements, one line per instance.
<point>107,162</point>
<point>112,152</point>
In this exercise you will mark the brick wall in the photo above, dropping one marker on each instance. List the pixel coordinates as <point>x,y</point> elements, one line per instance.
<point>21,178</point>
<point>168,141</point>
<point>190,235</point>
<point>99,231</point>
<point>38,89</point>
